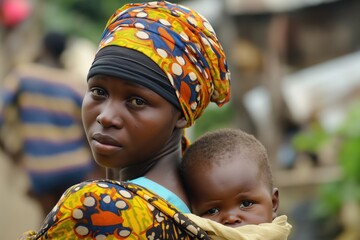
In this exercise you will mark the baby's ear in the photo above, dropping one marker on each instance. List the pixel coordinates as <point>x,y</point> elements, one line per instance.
<point>181,122</point>
<point>275,201</point>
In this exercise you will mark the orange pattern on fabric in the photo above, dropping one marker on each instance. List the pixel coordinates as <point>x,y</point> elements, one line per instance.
<point>104,209</point>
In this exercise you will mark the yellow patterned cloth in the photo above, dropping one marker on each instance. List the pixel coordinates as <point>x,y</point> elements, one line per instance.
<point>278,229</point>
<point>182,43</point>
<point>104,209</point>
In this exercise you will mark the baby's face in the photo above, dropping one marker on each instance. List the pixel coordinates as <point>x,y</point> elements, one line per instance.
<point>233,194</point>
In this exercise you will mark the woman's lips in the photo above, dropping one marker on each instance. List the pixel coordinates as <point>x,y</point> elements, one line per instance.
<point>104,144</point>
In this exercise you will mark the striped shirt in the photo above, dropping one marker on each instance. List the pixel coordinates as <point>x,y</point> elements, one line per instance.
<point>48,103</point>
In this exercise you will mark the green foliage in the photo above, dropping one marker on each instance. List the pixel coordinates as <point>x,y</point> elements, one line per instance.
<point>329,203</point>
<point>351,125</point>
<point>82,18</point>
<point>349,156</point>
<point>311,139</point>
<point>213,118</point>
<point>334,195</point>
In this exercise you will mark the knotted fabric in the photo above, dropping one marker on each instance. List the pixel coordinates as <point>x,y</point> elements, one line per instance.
<point>182,43</point>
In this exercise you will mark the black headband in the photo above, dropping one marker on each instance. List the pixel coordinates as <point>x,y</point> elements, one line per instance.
<point>133,66</point>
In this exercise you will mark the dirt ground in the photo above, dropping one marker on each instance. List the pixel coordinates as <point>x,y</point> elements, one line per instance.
<point>18,213</point>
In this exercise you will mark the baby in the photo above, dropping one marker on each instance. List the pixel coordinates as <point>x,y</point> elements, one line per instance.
<point>228,179</point>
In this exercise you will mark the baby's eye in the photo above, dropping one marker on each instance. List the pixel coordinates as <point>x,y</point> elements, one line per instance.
<point>213,211</point>
<point>246,204</point>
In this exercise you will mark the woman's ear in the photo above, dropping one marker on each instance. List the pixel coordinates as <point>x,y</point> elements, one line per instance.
<point>275,201</point>
<point>181,122</point>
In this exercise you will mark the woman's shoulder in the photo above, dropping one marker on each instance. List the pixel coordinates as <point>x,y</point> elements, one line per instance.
<point>102,208</point>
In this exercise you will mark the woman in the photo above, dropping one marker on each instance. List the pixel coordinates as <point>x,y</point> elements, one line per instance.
<point>158,66</point>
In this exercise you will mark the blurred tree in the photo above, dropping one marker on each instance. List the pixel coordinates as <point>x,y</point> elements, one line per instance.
<point>214,118</point>
<point>340,198</point>
<point>83,18</point>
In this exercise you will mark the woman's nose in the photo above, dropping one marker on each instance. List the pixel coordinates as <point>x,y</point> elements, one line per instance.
<point>111,116</point>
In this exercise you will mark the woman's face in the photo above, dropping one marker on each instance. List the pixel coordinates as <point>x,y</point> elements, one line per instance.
<point>125,123</point>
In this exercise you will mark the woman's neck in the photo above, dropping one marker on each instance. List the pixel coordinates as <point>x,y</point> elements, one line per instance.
<point>166,173</point>
<point>163,169</point>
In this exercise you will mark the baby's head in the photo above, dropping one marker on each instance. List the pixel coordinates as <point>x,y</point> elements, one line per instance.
<point>228,178</point>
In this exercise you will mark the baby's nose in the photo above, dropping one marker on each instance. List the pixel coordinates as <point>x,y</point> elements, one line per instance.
<point>232,218</point>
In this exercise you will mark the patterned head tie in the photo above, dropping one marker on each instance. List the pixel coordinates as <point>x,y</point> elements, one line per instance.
<point>180,42</point>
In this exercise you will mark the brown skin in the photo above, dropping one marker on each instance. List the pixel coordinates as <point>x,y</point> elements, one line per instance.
<point>233,193</point>
<point>134,130</point>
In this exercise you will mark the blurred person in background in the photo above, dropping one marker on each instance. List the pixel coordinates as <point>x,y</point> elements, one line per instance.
<point>46,101</point>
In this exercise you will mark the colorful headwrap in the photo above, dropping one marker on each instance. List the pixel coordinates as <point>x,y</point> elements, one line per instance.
<point>182,43</point>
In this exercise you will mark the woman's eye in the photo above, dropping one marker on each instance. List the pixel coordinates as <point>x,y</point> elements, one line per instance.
<point>246,204</point>
<point>213,211</point>
<point>98,91</point>
<point>137,102</point>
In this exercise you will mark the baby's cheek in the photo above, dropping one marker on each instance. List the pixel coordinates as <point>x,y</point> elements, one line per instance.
<point>195,207</point>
